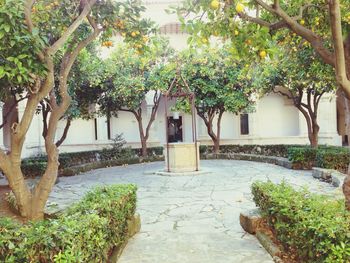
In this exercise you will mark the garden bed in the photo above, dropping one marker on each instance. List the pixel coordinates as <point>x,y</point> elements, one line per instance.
<point>87,232</point>
<point>313,227</point>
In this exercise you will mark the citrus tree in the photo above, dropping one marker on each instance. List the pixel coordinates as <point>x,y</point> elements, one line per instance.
<point>131,76</point>
<point>220,85</point>
<point>39,39</point>
<point>302,78</point>
<point>86,73</point>
<point>323,24</point>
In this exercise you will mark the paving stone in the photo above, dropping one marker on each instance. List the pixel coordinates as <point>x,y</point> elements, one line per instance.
<point>190,219</point>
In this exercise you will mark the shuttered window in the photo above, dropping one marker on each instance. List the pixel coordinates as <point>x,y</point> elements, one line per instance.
<point>244,124</point>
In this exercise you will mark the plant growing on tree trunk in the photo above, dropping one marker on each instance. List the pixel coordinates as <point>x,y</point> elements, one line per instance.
<point>135,83</point>
<point>36,38</point>
<point>219,86</point>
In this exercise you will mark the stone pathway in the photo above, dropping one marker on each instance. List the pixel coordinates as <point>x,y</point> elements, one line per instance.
<point>190,219</point>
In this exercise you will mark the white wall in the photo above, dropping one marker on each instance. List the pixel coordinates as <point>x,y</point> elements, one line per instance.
<point>277,117</point>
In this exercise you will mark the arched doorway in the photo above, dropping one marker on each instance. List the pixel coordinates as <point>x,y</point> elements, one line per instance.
<point>343,117</point>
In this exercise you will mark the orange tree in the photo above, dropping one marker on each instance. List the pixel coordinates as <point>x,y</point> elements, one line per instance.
<point>323,24</point>
<point>252,24</point>
<point>302,78</point>
<point>38,39</point>
<point>131,76</point>
<point>220,85</point>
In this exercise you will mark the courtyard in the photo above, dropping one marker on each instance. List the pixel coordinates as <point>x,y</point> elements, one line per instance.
<point>189,218</point>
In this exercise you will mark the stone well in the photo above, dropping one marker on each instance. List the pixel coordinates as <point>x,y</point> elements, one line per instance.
<point>182,157</point>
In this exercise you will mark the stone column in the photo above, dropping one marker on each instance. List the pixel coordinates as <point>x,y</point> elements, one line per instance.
<point>102,133</point>
<point>327,115</point>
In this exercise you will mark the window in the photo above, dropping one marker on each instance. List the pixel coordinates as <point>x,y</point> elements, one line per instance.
<point>109,128</point>
<point>244,124</point>
<point>95,125</point>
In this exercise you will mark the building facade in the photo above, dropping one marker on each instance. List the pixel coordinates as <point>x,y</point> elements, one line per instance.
<point>274,121</point>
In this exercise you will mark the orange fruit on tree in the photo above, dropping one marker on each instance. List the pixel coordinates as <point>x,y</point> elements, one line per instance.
<point>239,7</point>
<point>262,54</point>
<point>215,4</point>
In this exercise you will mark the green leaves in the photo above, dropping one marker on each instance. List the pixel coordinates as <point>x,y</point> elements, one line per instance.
<point>129,76</point>
<point>218,82</point>
<point>84,233</point>
<point>315,226</point>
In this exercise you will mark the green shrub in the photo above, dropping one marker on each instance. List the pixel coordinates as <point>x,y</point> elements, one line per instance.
<point>338,158</point>
<point>329,157</point>
<point>302,157</point>
<point>316,227</point>
<point>87,232</point>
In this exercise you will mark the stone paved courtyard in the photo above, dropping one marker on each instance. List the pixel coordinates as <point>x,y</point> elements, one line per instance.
<point>190,218</point>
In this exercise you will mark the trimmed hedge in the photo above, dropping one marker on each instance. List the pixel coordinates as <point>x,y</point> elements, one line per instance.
<point>329,157</point>
<point>35,166</point>
<point>316,227</point>
<point>87,232</point>
<point>302,157</point>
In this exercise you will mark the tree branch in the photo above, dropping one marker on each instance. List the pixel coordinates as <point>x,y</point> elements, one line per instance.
<point>65,132</point>
<point>71,29</point>
<point>315,40</point>
<point>338,43</point>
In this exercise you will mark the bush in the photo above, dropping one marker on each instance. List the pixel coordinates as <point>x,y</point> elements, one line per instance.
<point>35,166</point>
<point>316,227</point>
<point>329,157</point>
<point>338,159</point>
<point>302,157</point>
<point>87,232</point>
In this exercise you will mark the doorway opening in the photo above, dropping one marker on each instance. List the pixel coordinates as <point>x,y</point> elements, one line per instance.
<point>175,129</point>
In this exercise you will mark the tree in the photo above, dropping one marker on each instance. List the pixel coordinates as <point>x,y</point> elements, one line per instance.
<point>311,20</point>
<point>302,78</point>
<point>36,39</point>
<point>131,76</point>
<point>87,71</point>
<point>307,19</point>
<point>219,86</point>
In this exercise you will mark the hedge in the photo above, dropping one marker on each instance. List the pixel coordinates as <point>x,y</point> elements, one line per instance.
<point>316,227</point>
<point>35,166</point>
<point>329,157</point>
<point>87,232</point>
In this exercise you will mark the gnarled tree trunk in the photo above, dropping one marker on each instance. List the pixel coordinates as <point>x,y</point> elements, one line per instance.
<point>208,118</point>
<point>31,202</point>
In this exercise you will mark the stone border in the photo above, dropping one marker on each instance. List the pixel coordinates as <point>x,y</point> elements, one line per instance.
<point>331,176</point>
<point>134,226</point>
<point>250,221</point>
<point>165,173</point>
<point>280,161</point>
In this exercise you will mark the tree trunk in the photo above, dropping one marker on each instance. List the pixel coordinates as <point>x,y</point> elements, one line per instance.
<point>143,147</point>
<point>313,135</point>
<point>216,145</point>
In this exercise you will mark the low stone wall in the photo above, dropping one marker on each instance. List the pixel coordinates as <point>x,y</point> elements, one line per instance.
<point>280,161</point>
<point>329,175</point>
<point>134,226</point>
<point>251,221</point>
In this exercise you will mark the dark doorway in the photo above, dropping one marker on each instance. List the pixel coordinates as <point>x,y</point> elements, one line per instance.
<point>175,129</point>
